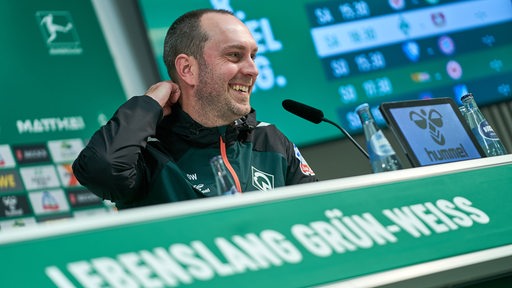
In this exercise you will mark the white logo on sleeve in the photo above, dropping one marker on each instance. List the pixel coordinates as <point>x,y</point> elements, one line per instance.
<point>304,167</point>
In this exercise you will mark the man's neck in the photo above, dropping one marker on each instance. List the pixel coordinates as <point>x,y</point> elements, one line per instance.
<point>204,115</point>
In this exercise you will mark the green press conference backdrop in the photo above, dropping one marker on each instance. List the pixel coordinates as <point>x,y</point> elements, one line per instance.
<point>336,54</point>
<point>299,240</point>
<point>59,85</point>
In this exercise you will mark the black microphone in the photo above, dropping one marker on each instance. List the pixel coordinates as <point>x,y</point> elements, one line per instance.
<point>316,116</point>
<point>304,111</point>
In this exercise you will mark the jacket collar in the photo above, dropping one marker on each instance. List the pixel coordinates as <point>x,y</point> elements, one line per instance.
<point>180,124</point>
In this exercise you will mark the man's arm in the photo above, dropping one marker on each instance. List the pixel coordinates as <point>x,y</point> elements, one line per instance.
<point>298,169</point>
<point>111,165</point>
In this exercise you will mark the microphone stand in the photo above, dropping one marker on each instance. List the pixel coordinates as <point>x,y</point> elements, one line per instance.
<point>348,136</point>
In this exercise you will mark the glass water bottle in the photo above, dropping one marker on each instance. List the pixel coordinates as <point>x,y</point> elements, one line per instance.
<point>487,138</point>
<point>382,156</point>
<point>223,179</point>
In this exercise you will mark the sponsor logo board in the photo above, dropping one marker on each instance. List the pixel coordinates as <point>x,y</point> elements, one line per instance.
<point>49,201</point>
<point>10,181</point>
<point>28,154</point>
<point>39,177</point>
<point>65,150</point>
<point>83,198</point>
<point>6,157</point>
<point>14,206</point>
<point>66,175</point>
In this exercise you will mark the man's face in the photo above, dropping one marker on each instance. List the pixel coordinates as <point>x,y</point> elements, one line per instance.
<point>228,72</point>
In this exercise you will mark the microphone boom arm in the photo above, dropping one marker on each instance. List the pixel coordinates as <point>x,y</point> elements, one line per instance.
<point>316,116</point>
<point>348,136</point>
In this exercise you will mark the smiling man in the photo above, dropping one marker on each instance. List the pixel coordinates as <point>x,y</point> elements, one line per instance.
<point>157,147</point>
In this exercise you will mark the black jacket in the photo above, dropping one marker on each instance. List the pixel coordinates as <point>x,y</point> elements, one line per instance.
<point>138,158</point>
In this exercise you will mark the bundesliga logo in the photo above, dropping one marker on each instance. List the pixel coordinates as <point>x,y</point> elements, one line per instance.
<point>59,32</point>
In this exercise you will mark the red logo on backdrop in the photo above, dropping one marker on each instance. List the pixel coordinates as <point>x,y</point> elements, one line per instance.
<point>72,181</point>
<point>19,155</point>
<point>50,203</point>
<point>83,198</point>
<point>72,199</point>
<point>438,19</point>
<point>397,4</point>
<point>31,153</point>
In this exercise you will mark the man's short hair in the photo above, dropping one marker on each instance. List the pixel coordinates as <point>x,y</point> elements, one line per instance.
<point>186,36</point>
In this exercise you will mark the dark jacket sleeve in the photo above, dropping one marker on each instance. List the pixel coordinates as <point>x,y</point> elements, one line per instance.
<point>299,170</point>
<point>112,164</point>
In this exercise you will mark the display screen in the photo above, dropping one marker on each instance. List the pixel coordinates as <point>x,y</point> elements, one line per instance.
<point>431,131</point>
<point>335,55</point>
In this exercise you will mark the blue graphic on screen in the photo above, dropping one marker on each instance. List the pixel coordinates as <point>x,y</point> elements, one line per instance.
<point>435,134</point>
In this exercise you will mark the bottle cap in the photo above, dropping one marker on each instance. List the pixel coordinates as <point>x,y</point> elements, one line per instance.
<point>362,106</point>
<point>465,96</point>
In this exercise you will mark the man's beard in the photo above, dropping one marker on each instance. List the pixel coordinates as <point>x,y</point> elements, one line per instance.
<point>213,97</point>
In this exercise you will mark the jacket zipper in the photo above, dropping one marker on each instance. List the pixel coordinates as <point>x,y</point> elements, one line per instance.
<point>228,165</point>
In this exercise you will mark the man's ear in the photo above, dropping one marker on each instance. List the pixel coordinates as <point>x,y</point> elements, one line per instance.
<point>186,67</point>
